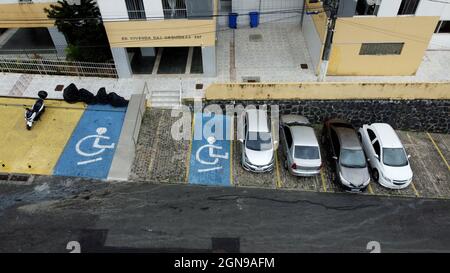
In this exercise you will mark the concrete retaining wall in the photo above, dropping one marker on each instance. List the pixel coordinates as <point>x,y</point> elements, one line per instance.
<point>328,91</point>
<point>125,151</point>
<point>414,115</point>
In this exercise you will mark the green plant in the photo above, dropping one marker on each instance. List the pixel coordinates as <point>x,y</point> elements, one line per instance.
<point>83,28</point>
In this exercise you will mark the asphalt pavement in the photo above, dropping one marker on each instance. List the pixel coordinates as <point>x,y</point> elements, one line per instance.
<point>141,217</point>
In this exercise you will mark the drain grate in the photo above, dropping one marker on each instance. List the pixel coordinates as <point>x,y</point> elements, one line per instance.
<point>304,66</point>
<point>199,86</point>
<point>255,37</point>
<point>59,88</point>
<point>19,178</point>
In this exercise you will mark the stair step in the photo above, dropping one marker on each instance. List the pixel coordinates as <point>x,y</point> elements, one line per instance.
<point>165,93</point>
<point>165,105</point>
<point>168,99</point>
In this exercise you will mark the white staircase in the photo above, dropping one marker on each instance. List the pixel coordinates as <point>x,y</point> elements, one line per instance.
<point>168,99</point>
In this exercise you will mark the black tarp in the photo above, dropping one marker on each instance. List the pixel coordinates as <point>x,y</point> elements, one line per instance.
<point>72,94</point>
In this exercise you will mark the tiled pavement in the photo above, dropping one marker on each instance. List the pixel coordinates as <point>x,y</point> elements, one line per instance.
<point>275,56</point>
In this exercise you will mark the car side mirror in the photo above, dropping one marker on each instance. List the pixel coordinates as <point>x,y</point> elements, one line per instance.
<point>368,160</point>
<point>241,140</point>
<point>275,142</point>
<point>377,156</point>
<point>409,156</point>
<point>335,157</point>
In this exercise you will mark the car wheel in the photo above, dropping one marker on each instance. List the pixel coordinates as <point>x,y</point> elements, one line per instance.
<point>375,175</point>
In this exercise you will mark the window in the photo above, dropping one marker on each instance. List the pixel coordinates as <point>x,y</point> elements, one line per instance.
<point>394,157</point>
<point>287,133</point>
<point>258,141</point>
<point>136,10</point>
<point>371,134</point>
<point>307,152</point>
<point>363,7</point>
<point>376,147</point>
<point>353,158</point>
<point>174,9</point>
<point>381,49</point>
<point>443,27</point>
<point>408,7</point>
<point>335,141</point>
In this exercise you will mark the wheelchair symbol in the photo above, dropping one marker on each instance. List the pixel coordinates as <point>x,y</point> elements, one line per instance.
<point>101,148</point>
<point>211,147</point>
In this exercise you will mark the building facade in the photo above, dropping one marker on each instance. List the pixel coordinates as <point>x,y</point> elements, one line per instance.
<point>17,15</point>
<point>147,25</point>
<point>376,37</point>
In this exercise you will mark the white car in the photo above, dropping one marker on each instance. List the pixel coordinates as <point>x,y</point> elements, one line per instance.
<point>386,155</point>
<point>257,146</point>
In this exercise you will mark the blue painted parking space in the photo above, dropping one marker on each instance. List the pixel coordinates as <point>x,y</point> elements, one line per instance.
<point>90,150</point>
<point>211,151</point>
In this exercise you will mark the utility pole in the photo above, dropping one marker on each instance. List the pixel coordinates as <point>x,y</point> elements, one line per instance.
<point>334,6</point>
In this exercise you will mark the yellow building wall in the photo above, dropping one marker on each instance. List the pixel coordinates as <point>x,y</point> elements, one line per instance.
<point>161,33</point>
<point>24,15</point>
<point>350,33</point>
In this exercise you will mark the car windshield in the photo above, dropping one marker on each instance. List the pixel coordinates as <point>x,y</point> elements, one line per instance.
<point>306,152</point>
<point>395,157</point>
<point>353,158</point>
<point>258,141</point>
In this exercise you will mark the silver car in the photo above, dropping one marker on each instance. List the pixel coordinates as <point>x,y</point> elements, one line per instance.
<point>300,146</point>
<point>347,157</point>
<point>257,142</point>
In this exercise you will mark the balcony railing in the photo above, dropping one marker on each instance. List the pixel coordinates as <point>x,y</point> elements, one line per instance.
<point>174,9</point>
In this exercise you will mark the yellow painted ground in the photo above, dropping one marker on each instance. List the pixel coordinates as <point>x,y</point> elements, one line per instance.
<point>36,151</point>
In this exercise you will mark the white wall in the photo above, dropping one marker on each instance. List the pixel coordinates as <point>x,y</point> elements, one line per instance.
<point>114,10</point>
<point>312,39</point>
<point>439,41</point>
<point>389,8</point>
<point>153,9</point>
<point>243,7</point>
<point>34,1</point>
<point>433,8</point>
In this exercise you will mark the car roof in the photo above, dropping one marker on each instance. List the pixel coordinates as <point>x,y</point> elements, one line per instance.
<point>347,138</point>
<point>290,119</point>
<point>386,135</point>
<point>304,136</point>
<point>257,120</point>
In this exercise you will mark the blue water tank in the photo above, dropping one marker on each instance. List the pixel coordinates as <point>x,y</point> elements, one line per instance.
<point>232,20</point>
<point>254,18</point>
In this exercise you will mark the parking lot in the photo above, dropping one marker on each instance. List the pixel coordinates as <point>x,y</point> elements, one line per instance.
<point>160,159</point>
<point>65,141</point>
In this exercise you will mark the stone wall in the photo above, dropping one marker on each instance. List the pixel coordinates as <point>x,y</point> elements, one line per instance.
<point>414,115</point>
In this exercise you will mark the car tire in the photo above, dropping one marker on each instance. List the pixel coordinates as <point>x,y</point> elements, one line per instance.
<point>375,175</point>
